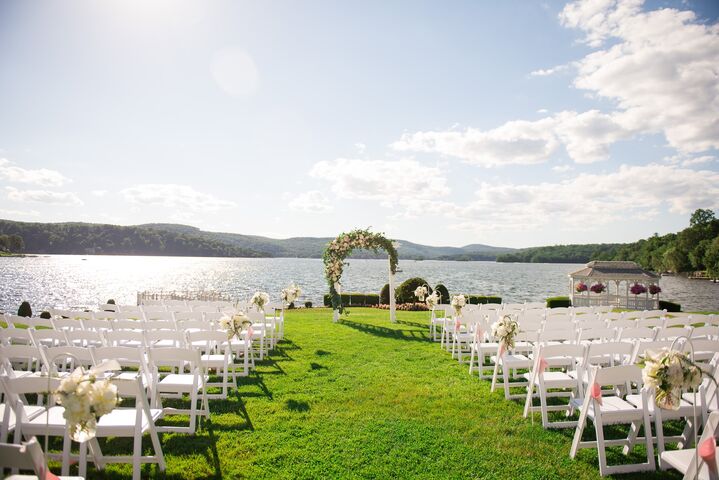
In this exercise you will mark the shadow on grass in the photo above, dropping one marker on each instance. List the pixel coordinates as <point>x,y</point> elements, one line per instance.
<point>255,379</point>
<point>317,366</point>
<point>322,353</point>
<point>414,324</point>
<point>408,335</point>
<point>296,406</point>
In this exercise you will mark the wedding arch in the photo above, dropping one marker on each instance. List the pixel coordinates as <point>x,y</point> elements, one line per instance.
<point>341,247</point>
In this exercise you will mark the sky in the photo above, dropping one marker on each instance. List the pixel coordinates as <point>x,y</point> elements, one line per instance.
<point>514,123</point>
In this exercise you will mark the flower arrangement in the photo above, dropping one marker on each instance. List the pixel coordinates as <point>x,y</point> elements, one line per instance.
<point>421,292</point>
<point>637,289</point>
<point>291,293</point>
<point>504,330</point>
<point>85,399</point>
<point>458,301</point>
<point>669,372</point>
<point>581,287</point>
<point>234,325</point>
<point>654,289</point>
<point>598,287</point>
<point>341,247</point>
<point>259,300</point>
<point>432,300</point>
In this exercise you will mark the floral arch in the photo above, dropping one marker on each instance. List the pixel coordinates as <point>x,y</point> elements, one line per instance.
<point>341,247</point>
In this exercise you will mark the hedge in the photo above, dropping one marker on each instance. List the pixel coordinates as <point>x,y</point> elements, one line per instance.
<point>384,294</point>
<point>556,302</point>
<point>405,292</point>
<point>482,299</point>
<point>669,306</point>
<point>354,299</point>
<point>443,294</point>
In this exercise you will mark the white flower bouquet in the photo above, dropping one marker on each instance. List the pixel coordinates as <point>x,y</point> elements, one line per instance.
<point>234,325</point>
<point>458,301</point>
<point>504,330</point>
<point>669,372</point>
<point>432,300</point>
<point>291,293</point>
<point>420,292</point>
<point>260,299</point>
<point>85,399</point>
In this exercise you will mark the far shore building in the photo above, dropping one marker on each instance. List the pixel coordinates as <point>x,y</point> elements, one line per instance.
<point>618,279</point>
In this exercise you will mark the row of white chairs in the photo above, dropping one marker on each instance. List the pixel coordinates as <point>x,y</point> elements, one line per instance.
<point>156,374</point>
<point>559,364</point>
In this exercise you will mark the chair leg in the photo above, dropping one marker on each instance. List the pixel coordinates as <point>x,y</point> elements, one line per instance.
<point>579,430</point>
<point>601,451</point>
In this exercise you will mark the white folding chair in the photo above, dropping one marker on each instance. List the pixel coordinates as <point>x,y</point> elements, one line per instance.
<point>61,323</point>
<point>165,338</point>
<point>15,336</point>
<point>125,338</point>
<point>26,456</point>
<point>215,353</point>
<point>688,462</point>
<point>85,338</point>
<point>510,362</point>
<point>612,409</point>
<point>545,376</point>
<point>47,338</point>
<point>176,383</point>
<point>21,360</point>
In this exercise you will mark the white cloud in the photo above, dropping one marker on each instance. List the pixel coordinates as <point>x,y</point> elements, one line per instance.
<point>235,72</point>
<point>312,201</point>
<point>99,193</point>
<point>174,196</point>
<point>390,182</point>
<point>590,200</point>
<point>41,176</point>
<point>545,72</point>
<point>18,213</point>
<point>562,168</point>
<point>660,69</point>
<point>43,196</point>
<point>586,137</point>
<point>360,147</point>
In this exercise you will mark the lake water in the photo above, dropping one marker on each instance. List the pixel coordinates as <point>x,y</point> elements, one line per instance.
<point>66,281</point>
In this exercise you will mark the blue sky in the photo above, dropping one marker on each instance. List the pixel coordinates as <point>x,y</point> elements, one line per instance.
<point>504,123</point>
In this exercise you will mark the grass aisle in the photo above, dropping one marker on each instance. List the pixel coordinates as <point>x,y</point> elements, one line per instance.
<point>369,399</point>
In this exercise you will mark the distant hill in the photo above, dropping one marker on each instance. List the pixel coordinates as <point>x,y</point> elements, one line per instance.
<point>563,253</point>
<point>184,240</point>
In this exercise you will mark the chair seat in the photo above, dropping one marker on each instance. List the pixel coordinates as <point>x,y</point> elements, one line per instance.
<point>176,382</point>
<point>213,360</point>
<point>685,408</point>
<point>613,409</point>
<point>713,402</point>
<point>513,360</point>
<point>554,380</point>
<point>680,460</point>
<point>34,477</point>
<point>51,421</point>
<point>121,422</point>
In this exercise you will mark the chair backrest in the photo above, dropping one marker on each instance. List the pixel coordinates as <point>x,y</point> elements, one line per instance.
<point>643,333</point>
<point>651,322</point>
<point>602,309</point>
<point>125,356</point>
<point>15,336</point>
<point>79,314</point>
<point>154,315</point>
<point>149,308</point>
<point>96,325</point>
<point>679,319</point>
<point>107,316</point>
<point>153,336</point>
<point>558,311</point>
<point>31,322</point>
<point>617,375</point>
<point>614,316</point>
<point>255,316</point>
<point>61,356</point>
<point>14,356</point>
<point>173,357</point>
<point>602,334</point>
<point>560,335</point>
<point>122,337</point>
<point>213,316</point>
<point>535,306</point>
<point>126,324</point>
<point>707,331</point>
<point>160,325</point>
<point>60,323</point>
<point>642,346</point>
<point>107,307</point>
<point>205,308</point>
<point>49,338</point>
<point>85,338</point>
<point>189,315</point>
<point>609,353</point>
<point>670,333</point>
<point>130,311</point>
<point>208,340</point>
<point>26,456</point>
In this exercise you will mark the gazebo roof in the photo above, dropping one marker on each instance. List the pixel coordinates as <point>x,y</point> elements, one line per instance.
<point>614,270</point>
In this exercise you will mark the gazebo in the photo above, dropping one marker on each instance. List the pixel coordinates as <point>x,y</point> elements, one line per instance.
<point>618,280</point>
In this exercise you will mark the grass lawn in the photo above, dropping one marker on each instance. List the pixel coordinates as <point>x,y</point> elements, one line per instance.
<point>367,399</point>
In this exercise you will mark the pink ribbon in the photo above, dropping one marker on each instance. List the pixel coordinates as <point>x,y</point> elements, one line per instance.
<point>501,349</point>
<point>708,453</point>
<point>457,325</point>
<point>596,392</point>
<point>542,366</point>
<point>250,333</point>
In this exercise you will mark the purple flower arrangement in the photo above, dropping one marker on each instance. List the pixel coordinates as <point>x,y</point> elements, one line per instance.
<point>598,288</point>
<point>581,287</point>
<point>638,289</point>
<point>654,289</point>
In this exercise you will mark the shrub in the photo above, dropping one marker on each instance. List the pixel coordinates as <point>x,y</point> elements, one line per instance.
<point>405,292</point>
<point>481,299</point>
<point>384,294</point>
<point>291,306</point>
<point>354,299</point>
<point>555,302</point>
<point>45,315</point>
<point>24,310</point>
<point>443,294</point>
<point>669,306</point>
<point>308,304</point>
<point>110,302</point>
<point>327,300</point>
<point>407,307</point>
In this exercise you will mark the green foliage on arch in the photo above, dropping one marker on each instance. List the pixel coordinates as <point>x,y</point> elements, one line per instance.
<point>341,247</point>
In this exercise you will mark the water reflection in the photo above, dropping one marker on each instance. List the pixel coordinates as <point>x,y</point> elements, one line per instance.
<point>70,281</point>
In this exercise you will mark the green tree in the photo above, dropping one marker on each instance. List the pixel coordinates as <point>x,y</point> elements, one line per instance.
<point>711,258</point>
<point>675,260</point>
<point>701,217</point>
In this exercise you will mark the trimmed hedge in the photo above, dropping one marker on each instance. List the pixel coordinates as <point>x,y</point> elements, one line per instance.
<point>24,310</point>
<point>556,302</point>
<point>308,304</point>
<point>443,294</point>
<point>669,306</point>
<point>354,299</point>
<point>405,291</point>
<point>384,294</point>
<point>482,299</point>
<point>46,315</point>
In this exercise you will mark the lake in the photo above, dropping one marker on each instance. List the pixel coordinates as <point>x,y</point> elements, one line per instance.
<point>67,281</point>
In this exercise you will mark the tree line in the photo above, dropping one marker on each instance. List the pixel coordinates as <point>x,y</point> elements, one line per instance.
<point>88,239</point>
<point>696,248</point>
